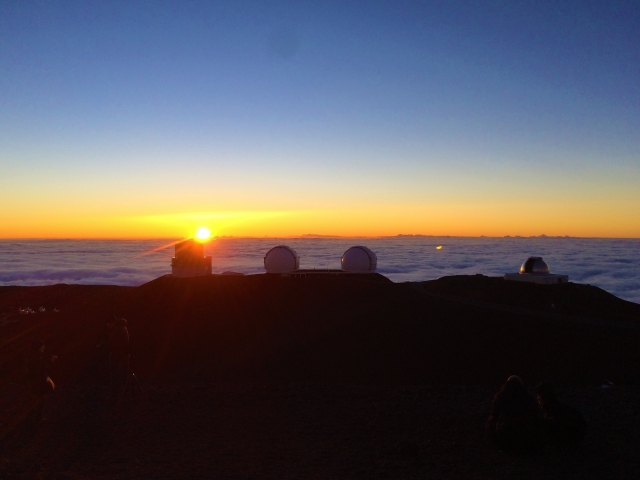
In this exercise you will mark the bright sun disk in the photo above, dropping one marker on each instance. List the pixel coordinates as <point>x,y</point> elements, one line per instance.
<point>203,234</point>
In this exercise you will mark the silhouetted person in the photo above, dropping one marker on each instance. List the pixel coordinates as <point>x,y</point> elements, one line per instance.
<point>117,344</point>
<point>561,424</point>
<point>104,346</point>
<point>37,368</point>
<point>513,424</point>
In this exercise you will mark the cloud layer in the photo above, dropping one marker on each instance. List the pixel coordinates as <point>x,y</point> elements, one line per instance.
<point>611,264</point>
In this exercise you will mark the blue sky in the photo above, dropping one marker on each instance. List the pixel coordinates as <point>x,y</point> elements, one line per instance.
<point>231,105</point>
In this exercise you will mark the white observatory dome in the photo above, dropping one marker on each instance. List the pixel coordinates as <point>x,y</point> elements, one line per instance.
<point>359,259</point>
<point>281,259</point>
<point>534,265</point>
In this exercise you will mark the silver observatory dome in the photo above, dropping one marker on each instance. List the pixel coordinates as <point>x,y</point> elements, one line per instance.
<point>281,259</point>
<point>534,265</point>
<point>359,259</point>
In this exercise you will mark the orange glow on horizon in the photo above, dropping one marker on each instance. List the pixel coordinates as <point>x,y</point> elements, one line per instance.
<point>579,219</point>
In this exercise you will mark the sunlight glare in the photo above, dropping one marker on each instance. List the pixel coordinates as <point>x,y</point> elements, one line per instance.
<point>203,234</point>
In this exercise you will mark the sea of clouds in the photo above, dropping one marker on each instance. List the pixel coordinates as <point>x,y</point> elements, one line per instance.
<point>611,264</point>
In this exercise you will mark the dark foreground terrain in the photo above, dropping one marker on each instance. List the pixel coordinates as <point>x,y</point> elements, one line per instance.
<point>352,377</point>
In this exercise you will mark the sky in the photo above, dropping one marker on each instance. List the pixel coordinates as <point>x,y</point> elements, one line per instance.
<point>149,119</point>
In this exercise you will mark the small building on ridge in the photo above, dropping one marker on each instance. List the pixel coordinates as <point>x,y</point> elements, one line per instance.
<point>281,259</point>
<point>190,260</point>
<point>359,259</point>
<point>536,270</point>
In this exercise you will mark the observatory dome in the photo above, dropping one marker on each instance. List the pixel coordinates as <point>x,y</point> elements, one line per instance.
<point>534,265</point>
<point>281,259</point>
<point>359,259</point>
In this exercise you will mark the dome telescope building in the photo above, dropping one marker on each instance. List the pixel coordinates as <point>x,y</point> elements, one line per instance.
<point>190,260</point>
<point>281,259</point>
<point>534,265</point>
<point>284,260</point>
<point>359,259</point>
<point>536,270</point>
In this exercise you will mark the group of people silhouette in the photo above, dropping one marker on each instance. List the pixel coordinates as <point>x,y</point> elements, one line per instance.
<point>115,356</point>
<point>520,423</point>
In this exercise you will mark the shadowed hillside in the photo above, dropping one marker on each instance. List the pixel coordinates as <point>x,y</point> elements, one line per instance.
<point>344,329</point>
<point>321,377</point>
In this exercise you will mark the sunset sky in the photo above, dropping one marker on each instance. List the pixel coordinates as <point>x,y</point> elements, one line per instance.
<point>150,119</point>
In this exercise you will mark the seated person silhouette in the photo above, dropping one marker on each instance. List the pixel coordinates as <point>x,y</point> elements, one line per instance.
<point>562,424</point>
<point>37,368</point>
<point>513,424</point>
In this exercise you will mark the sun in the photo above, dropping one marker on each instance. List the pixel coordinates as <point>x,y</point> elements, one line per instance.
<point>203,234</point>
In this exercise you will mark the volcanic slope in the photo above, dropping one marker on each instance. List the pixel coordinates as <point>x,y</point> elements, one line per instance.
<point>334,329</point>
<point>320,377</point>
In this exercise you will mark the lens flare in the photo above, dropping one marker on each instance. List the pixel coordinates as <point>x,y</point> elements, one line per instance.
<point>439,247</point>
<point>203,234</point>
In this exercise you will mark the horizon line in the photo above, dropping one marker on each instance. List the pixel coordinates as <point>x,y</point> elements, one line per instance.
<point>310,236</point>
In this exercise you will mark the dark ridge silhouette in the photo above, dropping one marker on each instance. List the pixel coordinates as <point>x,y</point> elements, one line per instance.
<point>359,329</point>
<point>329,376</point>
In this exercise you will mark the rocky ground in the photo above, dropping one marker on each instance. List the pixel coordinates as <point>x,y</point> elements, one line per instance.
<point>309,431</point>
<point>262,377</point>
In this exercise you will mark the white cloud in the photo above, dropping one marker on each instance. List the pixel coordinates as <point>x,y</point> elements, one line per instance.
<point>609,264</point>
